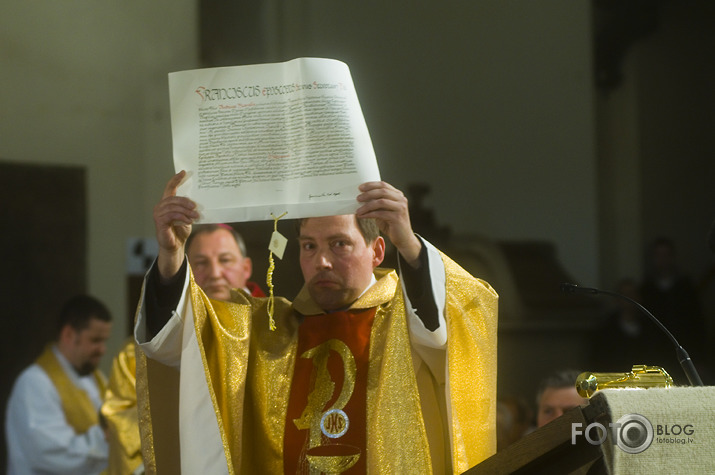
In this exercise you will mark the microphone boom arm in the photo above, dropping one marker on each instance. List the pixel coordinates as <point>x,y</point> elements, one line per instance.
<point>683,358</point>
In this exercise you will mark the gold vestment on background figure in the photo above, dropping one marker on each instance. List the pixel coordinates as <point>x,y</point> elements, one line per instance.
<point>76,404</point>
<point>120,412</point>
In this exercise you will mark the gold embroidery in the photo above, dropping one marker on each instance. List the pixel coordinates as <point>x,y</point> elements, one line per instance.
<point>333,464</point>
<point>324,387</point>
<point>334,423</point>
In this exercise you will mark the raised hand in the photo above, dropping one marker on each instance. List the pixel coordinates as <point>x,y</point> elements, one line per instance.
<point>388,206</point>
<point>173,216</point>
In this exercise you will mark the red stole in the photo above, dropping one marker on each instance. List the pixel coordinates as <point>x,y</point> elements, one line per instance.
<point>326,416</point>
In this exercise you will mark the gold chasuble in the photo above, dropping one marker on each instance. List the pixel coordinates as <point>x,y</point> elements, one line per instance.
<point>120,412</point>
<point>340,393</point>
<point>76,404</point>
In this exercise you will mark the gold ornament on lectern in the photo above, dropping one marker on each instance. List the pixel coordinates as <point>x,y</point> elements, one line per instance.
<point>641,376</point>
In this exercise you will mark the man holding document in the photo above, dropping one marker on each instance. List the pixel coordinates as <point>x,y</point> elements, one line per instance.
<point>367,370</point>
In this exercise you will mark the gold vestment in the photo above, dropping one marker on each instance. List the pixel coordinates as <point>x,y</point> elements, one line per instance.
<point>249,370</point>
<point>120,412</point>
<point>76,404</point>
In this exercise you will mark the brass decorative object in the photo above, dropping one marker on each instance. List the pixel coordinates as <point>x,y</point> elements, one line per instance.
<point>641,376</point>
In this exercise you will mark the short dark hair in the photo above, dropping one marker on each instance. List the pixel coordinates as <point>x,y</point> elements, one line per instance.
<point>368,228</point>
<point>79,310</point>
<point>558,380</point>
<point>209,228</point>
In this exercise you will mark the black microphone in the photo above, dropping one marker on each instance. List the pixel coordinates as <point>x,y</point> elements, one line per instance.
<point>685,362</point>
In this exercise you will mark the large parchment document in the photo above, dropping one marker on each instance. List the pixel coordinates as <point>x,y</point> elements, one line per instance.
<point>270,138</point>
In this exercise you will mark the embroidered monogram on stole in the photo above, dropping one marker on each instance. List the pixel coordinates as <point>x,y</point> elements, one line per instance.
<point>325,424</point>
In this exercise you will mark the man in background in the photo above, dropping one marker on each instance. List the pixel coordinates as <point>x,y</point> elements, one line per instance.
<point>556,395</point>
<point>217,253</point>
<point>218,258</point>
<point>52,419</point>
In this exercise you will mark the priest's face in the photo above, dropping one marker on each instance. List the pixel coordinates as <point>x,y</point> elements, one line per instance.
<point>336,262</point>
<point>84,348</point>
<point>218,264</point>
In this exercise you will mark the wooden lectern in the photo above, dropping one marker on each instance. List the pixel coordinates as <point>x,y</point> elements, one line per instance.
<point>647,431</point>
<point>548,450</point>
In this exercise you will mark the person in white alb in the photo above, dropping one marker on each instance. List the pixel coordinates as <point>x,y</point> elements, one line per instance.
<point>52,417</point>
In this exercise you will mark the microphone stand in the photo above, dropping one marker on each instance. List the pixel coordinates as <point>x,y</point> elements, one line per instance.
<point>683,358</point>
